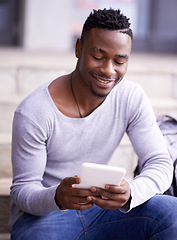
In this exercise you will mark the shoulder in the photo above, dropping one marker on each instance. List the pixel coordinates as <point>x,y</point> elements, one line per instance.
<point>129,87</point>
<point>128,91</point>
<point>37,105</point>
<point>131,100</point>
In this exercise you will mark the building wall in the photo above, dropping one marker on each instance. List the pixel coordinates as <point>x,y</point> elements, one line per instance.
<point>53,25</point>
<point>47,25</point>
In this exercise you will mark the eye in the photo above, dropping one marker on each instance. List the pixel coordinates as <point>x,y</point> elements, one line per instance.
<point>97,58</point>
<point>119,63</point>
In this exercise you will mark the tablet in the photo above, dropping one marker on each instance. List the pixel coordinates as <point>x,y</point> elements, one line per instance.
<point>92,174</point>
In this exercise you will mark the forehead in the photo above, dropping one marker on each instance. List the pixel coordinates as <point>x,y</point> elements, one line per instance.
<point>108,40</point>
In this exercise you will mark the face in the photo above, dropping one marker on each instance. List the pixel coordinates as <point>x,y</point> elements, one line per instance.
<point>103,60</point>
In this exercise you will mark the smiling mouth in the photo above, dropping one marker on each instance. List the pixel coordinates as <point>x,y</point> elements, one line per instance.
<point>106,84</point>
<point>104,81</point>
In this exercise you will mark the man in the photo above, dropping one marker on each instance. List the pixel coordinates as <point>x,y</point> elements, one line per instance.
<point>81,117</point>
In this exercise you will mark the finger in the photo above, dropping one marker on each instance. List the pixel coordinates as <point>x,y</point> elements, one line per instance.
<point>83,192</point>
<point>82,206</point>
<point>80,192</point>
<point>116,189</point>
<point>100,192</point>
<point>79,200</point>
<point>71,180</point>
<point>104,203</point>
<point>118,194</point>
<point>115,200</point>
<point>113,192</point>
<point>122,188</point>
<point>107,194</point>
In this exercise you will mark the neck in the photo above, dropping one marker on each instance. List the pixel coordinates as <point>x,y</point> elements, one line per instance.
<point>86,100</point>
<point>71,85</point>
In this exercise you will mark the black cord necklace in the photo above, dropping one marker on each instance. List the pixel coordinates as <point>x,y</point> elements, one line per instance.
<point>75,96</point>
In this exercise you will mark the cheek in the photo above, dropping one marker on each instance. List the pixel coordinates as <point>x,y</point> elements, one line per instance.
<point>122,70</point>
<point>90,63</point>
<point>88,66</point>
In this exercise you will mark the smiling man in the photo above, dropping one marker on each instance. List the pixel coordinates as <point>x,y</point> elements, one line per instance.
<point>82,117</point>
<point>103,60</point>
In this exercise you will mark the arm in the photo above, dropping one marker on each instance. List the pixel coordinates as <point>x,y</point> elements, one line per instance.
<point>29,158</point>
<point>155,163</point>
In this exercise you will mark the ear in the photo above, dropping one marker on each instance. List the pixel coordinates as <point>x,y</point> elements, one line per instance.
<point>78,48</point>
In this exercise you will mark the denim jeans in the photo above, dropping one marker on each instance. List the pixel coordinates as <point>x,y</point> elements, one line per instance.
<point>155,219</point>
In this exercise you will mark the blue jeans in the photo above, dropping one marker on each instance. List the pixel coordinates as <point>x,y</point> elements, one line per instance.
<point>155,219</point>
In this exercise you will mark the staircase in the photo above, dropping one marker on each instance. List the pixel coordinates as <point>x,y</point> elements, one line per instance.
<point>21,72</point>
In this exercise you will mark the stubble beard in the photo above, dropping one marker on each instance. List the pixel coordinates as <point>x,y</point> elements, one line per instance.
<point>97,95</point>
<point>102,96</point>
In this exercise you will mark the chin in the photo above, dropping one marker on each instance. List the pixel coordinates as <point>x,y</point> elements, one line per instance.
<point>97,94</point>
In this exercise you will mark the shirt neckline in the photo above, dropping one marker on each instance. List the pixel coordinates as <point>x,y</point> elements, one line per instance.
<point>63,116</point>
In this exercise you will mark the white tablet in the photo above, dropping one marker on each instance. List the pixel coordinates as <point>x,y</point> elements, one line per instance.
<point>98,175</point>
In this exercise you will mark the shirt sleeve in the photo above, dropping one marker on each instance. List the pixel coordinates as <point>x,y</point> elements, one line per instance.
<point>156,168</point>
<point>29,158</point>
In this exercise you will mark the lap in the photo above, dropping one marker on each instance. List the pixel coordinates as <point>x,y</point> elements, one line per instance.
<point>154,219</point>
<point>56,225</point>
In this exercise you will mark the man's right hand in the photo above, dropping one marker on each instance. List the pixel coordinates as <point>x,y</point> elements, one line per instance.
<point>69,197</point>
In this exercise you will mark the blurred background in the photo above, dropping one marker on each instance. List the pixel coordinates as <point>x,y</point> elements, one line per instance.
<point>37,39</point>
<point>54,25</point>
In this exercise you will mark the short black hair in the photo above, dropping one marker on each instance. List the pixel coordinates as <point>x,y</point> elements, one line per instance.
<point>108,19</point>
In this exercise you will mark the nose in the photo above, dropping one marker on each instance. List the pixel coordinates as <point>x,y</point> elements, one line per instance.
<point>108,68</point>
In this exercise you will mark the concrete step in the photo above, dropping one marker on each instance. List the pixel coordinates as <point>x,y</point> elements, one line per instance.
<point>4,206</point>
<point>5,153</point>
<point>8,106</point>
<point>156,84</point>
<point>4,213</point>
<point>4,236</point>
<point>163,106</point>
<point>25,79</point>
<point>21,72</point>
<point>5,183</point>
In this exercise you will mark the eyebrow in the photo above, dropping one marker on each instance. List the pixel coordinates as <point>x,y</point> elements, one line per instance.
<point>96,49</point>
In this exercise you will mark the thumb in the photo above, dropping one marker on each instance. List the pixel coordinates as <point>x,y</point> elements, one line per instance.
<point>71,180</point>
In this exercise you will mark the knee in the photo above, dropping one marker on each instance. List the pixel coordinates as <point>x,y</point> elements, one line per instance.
<point>164,207</point>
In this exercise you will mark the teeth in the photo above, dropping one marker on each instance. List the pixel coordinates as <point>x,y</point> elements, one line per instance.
<point>102,80</point>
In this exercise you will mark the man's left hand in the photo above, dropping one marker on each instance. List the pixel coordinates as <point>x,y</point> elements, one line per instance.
<point>112,197</point>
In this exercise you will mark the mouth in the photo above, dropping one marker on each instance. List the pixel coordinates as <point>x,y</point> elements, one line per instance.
<point>103,82</point>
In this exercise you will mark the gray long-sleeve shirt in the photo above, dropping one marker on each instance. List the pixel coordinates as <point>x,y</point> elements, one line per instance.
<point>48,146</point>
